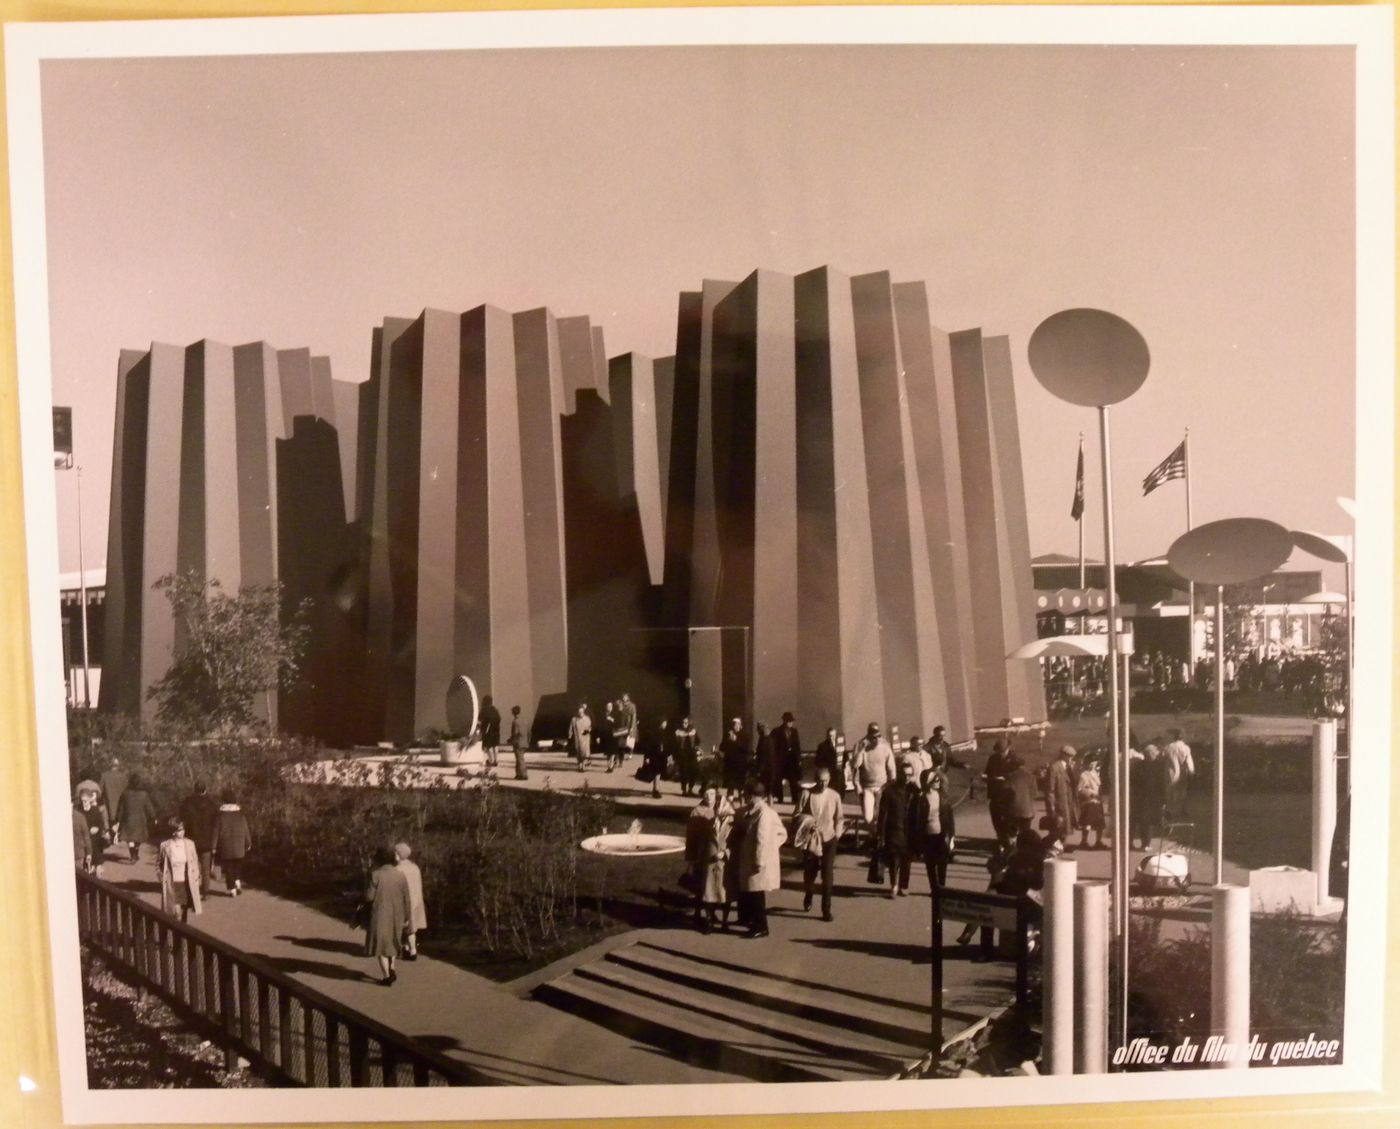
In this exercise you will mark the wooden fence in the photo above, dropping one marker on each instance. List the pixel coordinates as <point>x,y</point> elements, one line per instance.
<point>282,1026</point>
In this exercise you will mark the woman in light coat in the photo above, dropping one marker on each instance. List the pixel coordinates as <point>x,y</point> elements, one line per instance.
<point>390,912</point>
<point>706,854</point>
<point>179,873</point>
<point>759,866</point>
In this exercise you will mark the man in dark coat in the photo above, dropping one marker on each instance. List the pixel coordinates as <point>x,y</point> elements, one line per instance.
<point>685,746</point>
<point>1021,795</point>
<point>789,749</point>
<point>734,757</point>
<point>999,766</point>
<point>113,783</point>
<point>200,814</point>
<point>765,763</point>
<point>489,722</point>
<point>827,755</point>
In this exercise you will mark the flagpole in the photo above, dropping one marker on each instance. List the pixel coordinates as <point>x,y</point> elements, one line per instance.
<point>1081,526</point>
<point>1190,584</point>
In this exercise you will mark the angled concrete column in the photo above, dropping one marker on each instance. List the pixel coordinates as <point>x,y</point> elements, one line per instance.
<point>838,641</point>
<point>600,361</point>
<point>910,658</point>
<point>538,366</point>
<point>260,423</point>
<point>575,359</point>
<point>932,419</point>
<point>705,558</point>
<point>223,515</point>
<point>982,509</point>
<point>120,689</point>
<point>637,450</point>
<point>664,379</point>
<point>161,528</point>
<point>442,500</point>
<point>753,414</point>
<point>298,398</point>
<point>512,654</point>
<point>683,463</point>
<point>1026,688</point>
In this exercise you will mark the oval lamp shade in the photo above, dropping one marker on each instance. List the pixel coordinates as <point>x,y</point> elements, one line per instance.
<point>1232,551</point>
<point>1088,357</point>
<point>1319,546</point>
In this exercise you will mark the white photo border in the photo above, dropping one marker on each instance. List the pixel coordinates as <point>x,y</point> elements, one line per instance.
<point>1368,29</point>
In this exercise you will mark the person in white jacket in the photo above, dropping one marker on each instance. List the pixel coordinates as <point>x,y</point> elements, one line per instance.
<point>874,766</point>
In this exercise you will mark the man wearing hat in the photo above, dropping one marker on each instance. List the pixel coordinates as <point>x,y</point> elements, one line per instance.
<point>788,746</point>
<point>1060,800</point>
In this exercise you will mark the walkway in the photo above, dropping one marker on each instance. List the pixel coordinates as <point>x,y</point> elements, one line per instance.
<point>877,949</point>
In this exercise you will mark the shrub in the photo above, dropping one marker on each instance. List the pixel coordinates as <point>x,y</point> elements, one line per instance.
<point>496,861</point>
<point>1297,980</point>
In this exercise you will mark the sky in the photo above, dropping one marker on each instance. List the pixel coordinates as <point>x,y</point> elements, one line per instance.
<point>1205,194</point>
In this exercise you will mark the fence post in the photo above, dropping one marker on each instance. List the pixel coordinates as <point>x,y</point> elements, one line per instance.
<point>332,1050</point>
<point>228,1016</point>
<point>1057,978</point>
<point>1324,804</point>
<point>359,1055</point>
<point>1229,971</point>
<point>1090,978</point>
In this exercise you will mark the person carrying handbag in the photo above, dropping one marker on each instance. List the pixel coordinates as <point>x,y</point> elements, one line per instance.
<point>817,826</point>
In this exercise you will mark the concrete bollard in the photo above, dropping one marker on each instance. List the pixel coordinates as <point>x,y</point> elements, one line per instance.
<point>1324,803</point>
<point>1091,978</point>
<point>1057,976</point>
<point>1229,971</point>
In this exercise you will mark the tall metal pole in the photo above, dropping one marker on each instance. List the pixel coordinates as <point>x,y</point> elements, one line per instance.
<point>1122,799</point>
<point>82,597</point>
<point>1350,717</point>
<point>1120,768</point>
<point>1190,584</point>
<point>1219,734</point>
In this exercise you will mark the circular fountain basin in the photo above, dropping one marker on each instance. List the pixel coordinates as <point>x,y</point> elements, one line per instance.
<point>621,843</point>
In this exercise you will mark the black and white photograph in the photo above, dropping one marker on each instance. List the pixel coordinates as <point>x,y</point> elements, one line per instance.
<point>731,561</point>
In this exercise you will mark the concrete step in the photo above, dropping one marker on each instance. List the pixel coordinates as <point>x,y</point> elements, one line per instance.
<point>713,1030</point>
<point>893,1027</point>
<point>690,1038</point>
<point>832,1038</point>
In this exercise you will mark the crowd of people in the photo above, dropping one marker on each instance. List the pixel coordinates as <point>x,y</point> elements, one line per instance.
<point>117,811</point>
<point>1077,684</point>
<point>734,834</point>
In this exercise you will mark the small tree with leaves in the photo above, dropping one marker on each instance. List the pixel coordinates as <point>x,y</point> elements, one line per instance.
<point>230,649</point>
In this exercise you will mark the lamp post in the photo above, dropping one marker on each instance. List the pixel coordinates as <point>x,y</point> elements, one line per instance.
<point>1095,359</point>
<point>1233,551</point>
<point>1336,549</point>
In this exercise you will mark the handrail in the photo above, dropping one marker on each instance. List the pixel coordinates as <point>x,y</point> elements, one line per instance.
<point>233,991</point>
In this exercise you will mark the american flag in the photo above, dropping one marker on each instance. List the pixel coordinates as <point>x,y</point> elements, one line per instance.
<point>1076,509</point>
<point>1173,466</point>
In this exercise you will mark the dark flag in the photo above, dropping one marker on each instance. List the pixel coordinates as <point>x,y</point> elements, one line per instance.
<point>1076,510</point>
<point>1173,466</point>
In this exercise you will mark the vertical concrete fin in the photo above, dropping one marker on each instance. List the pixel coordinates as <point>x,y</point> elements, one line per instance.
<point>933,428</point>
<point>887,481</point>
<point>1026,686</point>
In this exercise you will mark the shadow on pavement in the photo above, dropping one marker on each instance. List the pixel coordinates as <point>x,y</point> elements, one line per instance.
<point>344,948</point>
<point>295,965</point>
<point>488,1060</point>
<point>914,954</point>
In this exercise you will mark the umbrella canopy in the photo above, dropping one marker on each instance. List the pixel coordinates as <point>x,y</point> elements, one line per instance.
<point>1071,646</point>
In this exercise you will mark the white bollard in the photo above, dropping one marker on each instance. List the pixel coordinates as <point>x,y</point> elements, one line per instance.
<point>1057,973</point>
<point>1091,978</point>
<point>1324,803</point>
<point>1229,971</point>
